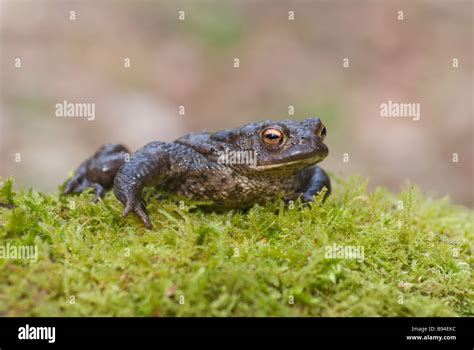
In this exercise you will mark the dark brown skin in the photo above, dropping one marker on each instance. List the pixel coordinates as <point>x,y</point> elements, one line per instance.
<point>281,163</point>
<point>98,172</point>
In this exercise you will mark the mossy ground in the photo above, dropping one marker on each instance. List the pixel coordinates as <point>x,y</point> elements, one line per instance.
<point>269,261</point>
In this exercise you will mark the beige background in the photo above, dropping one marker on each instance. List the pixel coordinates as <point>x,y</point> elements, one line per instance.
<point>282,63</point>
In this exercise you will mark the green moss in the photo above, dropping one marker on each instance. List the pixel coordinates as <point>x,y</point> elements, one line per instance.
<point>269,261</point>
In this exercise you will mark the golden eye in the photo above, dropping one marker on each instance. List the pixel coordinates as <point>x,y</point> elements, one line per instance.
<point>272,137</point>
<point>323,133</point>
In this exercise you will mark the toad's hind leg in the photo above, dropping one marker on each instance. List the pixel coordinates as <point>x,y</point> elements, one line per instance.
<point>98,172</point>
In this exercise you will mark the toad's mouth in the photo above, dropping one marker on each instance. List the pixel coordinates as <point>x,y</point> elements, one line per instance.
<point>299,156</point>
<point>303,162</point>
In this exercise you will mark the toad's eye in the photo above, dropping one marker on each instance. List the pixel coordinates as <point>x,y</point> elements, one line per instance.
<point>272,137</point>
<point>323,133</point>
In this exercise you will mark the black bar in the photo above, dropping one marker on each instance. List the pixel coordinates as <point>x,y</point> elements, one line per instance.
<point>375,331</point>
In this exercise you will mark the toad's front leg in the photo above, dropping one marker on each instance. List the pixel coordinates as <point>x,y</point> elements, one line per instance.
<point>149,166</point>
<point>314,180</point>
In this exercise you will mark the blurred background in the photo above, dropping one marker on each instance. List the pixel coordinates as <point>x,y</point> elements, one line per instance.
<point>283,62</point>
